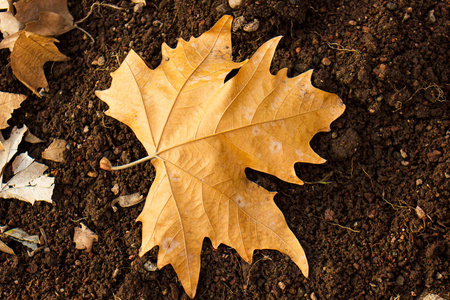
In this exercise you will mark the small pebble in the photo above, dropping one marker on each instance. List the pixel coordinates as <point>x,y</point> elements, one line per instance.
<point>352,22</point>
<point>419,181</point>
<point>238,23</point>
<point>234,4</point>
<point>420,213</point>
<point>138,8</point>
<point>313,296</point>
<point>252,26</point>
<point>405,163</point>
<point>391,6</point>
<point>115,273</point>
<point>115,189</point>
<point>326,61</point>
<point>100,61</point>
<point>403,153</point>
<point>223,9</point>
<point>92,174</point>
<point>431,16</point>
<point>282,285</point>
<point>400,280</point>
<point>86,129</point>
<point>150,266</point>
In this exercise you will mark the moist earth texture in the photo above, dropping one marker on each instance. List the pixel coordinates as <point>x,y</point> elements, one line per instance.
<point>355,216</point>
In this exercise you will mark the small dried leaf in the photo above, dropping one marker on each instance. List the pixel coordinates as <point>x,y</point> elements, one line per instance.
<point>55,151</point>
<point>29,68</point>
<point>84,238</point>
<point>420,213</point>
<point>28,183</point>
<point>8,102</point>
<point>128,200</point>
<point>139,1</point>
<point>10,146</point>
<point>4,248</point>
<point>20,235</point>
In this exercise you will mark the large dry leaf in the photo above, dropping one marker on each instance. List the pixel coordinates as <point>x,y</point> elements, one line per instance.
<point>29,69</point>
<point>202,133</point>
<point>8,102</point>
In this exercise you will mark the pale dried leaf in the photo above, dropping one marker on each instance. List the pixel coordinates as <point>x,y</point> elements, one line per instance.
<point>9,24</point>
<point>203,133</point>
<point>55,151</point>
<point>10,146</point>
<point>128,200</point>
<point>29,68</point>
<point>20,235</point>
<point>6,5</point>
<point>84,238</point>
<point>8,102</point>
<point>29,183</point>
<point>4,248</point>
<point>31,138</point>
<point>139,1</point>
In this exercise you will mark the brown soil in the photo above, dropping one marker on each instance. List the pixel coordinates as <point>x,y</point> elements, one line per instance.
<point>386,155</point>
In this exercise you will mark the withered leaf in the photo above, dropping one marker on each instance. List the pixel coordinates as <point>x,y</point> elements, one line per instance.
<point>202,133</point>
<point>29,68</point>
<point>29,182</point>
<point>8,102</point>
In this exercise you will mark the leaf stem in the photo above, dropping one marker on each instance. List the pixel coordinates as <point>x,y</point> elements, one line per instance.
<point>105,164</point>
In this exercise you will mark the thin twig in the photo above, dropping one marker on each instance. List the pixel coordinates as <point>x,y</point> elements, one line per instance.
<point>336,224</point>
<point>92,9</point>
<point>85,32</point>
<point>339,47</point>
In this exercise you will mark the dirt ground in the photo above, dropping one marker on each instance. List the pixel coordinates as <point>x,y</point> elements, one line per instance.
<point>355,218</point>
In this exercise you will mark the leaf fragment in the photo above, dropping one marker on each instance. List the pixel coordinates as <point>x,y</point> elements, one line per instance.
<point>84,238</point>
<point>8,102</point>
<point>4,248</point>
<point>127,200</point>
<point>20,235</point>
<point>55,152</point>
<point>29,69</point>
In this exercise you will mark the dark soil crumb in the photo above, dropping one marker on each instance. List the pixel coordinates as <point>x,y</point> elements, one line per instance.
<point>356,218</point>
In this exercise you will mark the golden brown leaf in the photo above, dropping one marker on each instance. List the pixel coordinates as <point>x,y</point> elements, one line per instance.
<point>29,68</point>
<point>202,133</point>
<point>8,102</point>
